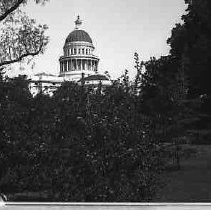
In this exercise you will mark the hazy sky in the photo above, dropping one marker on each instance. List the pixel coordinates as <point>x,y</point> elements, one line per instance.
<point>118,28</point>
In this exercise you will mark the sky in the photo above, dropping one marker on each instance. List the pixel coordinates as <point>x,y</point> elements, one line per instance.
<point>118,28</point>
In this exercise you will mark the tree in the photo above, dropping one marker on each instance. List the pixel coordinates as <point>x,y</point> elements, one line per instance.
<point>20,39</point>
<point>20,36</point>
<point>15,103</point>
<point>191,40</point>
<point>162,94</point>
<point>191,45</point>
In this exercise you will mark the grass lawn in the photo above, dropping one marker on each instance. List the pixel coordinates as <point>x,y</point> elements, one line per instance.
<point>192,183</point>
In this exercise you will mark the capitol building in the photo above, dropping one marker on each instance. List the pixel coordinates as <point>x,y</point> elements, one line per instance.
<point>77,64</point>
<point>78,55</point>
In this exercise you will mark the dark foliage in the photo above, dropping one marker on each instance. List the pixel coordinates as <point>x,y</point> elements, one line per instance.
<point>191,45</point>
<point>79,145</point>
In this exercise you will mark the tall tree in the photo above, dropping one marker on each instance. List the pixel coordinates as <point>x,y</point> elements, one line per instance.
<point>191,45</point>
<point>20,36</point>
<point>191,40</point>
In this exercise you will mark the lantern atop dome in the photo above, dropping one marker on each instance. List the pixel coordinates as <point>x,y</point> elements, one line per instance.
<point>78,22</point>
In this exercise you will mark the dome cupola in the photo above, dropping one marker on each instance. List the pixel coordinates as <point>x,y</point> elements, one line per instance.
<point>78,36</point>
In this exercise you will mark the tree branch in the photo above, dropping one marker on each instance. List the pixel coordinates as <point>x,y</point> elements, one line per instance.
<point>11,9</point>
<point>21,57</point>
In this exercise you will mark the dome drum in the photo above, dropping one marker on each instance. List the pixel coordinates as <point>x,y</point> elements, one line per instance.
<point>78,50</point>
<point>73,57</point>
<point>78,44</point>
<point>90,64</point>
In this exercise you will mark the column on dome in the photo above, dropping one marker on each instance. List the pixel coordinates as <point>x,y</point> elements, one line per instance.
<point>79,64</point>
<point>83,64</point>
<point>97,64</point>
<point>65,65</point>
<point>73,68</point>
<point>92,65</point>
<point>88,64</point>
<point>69,65</point>
<point>76,65</point>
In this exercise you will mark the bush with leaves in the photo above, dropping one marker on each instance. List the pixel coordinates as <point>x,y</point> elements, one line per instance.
<point>79,145</point>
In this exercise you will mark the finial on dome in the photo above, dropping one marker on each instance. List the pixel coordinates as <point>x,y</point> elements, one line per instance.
<point>78,22</point>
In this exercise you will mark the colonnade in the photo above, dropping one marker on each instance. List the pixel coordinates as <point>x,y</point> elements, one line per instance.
<point>77,51</point>
<point>78,64</point>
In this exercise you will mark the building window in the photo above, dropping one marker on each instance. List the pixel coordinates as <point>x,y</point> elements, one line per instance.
<point>86,51</point>
<point>74,51</point>
<point>71,51</point>
<point>82,51</point>
<point>79,51</point>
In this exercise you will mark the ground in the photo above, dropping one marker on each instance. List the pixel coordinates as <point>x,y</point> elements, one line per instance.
<point>192,183</point>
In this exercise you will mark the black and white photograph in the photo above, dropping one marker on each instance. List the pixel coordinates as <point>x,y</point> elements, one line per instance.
<point>105,104</point>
